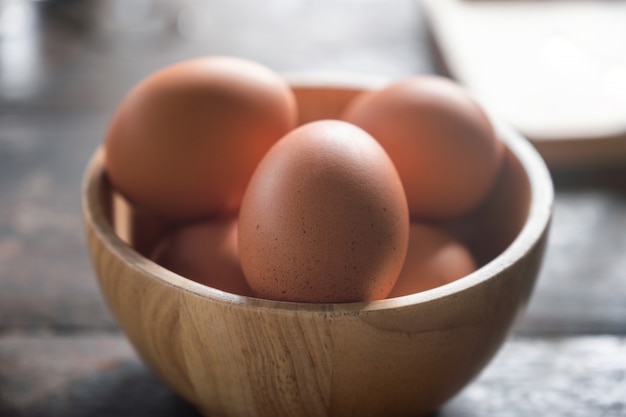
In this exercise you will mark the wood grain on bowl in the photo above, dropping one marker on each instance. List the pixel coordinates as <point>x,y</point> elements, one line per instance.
<point>233,355</point>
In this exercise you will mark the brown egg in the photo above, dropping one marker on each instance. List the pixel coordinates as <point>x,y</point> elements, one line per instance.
<point>185,141</point>
<point>207,253</point>
<point>434,258</point>
<point>440,140</point>
<point>324,218</point>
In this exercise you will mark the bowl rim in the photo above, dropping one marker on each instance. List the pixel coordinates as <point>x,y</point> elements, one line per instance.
<point>536,224</point>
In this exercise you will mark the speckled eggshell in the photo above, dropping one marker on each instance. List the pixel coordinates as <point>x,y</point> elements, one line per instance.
<point>185,141</point>
<point>434,258</point>
<point>440,140</point>
<point>205,252</point>
<point>324,218</point>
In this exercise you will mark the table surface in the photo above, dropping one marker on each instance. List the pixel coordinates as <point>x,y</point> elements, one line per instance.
<point>64,64</point>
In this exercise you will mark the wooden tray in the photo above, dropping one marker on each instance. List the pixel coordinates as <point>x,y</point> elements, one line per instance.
<point>555,70</point>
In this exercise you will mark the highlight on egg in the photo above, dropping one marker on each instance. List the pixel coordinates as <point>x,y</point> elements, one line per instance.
<point>324,218</point>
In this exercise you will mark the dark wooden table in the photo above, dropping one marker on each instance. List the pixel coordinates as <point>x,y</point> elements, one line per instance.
<point>63,67</point>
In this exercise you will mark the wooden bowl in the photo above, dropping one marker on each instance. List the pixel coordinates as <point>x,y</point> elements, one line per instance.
<point>232,355</point>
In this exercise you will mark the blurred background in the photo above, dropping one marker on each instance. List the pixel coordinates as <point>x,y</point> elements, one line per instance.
<point>72,52</point>
<point>64,66</point>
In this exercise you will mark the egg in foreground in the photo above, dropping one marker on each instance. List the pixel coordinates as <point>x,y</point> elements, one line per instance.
<point>324,218</point>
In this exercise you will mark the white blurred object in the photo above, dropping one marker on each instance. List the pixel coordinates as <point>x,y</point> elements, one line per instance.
<point>19,49</point>
<point>555,70</point>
